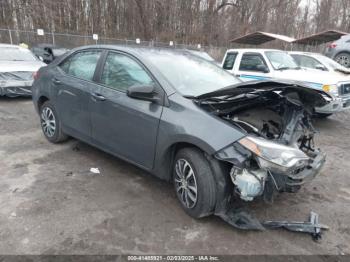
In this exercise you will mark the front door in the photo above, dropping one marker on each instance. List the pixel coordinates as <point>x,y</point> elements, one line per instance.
<point>125,126</point>
<point>252,67</point>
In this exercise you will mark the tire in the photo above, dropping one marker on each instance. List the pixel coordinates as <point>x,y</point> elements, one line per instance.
<point>322,115</point>
<point>51,124</point>
<point>202,178</point>
<point>343,59</point>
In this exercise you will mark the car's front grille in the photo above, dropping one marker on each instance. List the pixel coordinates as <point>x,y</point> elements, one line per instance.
<point>344,89</point>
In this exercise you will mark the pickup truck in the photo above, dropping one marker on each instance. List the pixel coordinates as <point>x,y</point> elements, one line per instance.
<point>264,64</point>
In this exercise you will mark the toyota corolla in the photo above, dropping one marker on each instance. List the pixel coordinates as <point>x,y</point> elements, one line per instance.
<point>184,120</point>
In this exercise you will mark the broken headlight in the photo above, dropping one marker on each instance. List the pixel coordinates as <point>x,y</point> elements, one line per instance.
<point>273,156</point>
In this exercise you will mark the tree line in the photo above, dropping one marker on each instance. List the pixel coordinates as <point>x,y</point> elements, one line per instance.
<point>210,22</point>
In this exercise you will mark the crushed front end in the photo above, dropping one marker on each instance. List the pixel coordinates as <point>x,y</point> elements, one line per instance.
<point>277,153</point>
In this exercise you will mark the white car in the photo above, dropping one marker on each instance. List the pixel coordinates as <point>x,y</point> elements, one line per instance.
<point>17,68</point>
<point>263,64</point>
<point>318,61</point>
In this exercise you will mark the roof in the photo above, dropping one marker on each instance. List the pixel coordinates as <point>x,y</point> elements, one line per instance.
<point>137,49</point>
<point>258,38</point>
<point>302,53</point>
<point>320,38</point>
<point>252,50</point>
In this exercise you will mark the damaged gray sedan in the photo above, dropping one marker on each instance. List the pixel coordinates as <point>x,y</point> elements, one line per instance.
<point>18,66</point>
<point>184,120</point>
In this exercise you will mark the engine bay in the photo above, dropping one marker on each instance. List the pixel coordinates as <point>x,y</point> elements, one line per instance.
<point>275,116</point>
<point>281,116</point>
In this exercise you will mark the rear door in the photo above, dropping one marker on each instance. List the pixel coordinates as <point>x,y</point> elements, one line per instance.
<point>74,84</point>
<point>250,66</point>
<point>125,126</point>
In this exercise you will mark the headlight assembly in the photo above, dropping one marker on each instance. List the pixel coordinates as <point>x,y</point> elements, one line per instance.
<point>273,156</point>
<point>333,89</point>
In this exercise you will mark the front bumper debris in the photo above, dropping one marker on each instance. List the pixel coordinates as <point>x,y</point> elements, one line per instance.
<point>242,219</point>
<point>264,183</point>
<point>311,227</point>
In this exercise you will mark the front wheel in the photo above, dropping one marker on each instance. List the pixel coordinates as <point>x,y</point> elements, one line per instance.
<point>50,123</point>
<point>194,182</point>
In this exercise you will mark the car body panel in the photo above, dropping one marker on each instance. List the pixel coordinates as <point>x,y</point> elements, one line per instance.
<point>133,133</point>
<point>72,98</point>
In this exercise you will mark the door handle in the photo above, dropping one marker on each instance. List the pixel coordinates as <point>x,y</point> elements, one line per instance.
<point>56,81</point>
<point>98,97</point>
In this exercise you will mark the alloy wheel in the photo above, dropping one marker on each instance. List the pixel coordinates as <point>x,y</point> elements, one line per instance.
<point>185,183</point>
<point>48,121</point>
<point>343,60</point>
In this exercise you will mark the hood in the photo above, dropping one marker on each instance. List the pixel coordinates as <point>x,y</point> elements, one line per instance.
<point>312,97</point>
<point>20,66</point>
<point>312,76</point>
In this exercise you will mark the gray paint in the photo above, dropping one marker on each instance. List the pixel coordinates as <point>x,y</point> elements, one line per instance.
<point>140,132</point>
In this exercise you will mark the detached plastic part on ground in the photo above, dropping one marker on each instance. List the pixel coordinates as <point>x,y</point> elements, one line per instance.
<point>242,219</point>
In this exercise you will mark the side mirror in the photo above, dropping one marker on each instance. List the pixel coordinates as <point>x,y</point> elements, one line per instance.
<point>143,92</point>
<point>262,68</point>
<point>321,67</point>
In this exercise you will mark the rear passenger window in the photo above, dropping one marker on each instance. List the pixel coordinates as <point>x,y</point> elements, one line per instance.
<point>251,62</point>
<point>81,65</point>
<point>229,61</point>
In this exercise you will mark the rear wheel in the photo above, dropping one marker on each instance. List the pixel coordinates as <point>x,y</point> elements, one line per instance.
<point>343,59</point>
<point>194,182</point>
<point>50,123</point>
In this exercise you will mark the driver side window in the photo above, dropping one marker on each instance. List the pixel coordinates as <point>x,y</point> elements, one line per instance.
<point>121,72</point>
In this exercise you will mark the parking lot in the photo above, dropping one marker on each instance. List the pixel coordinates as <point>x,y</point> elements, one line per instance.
<point>50,203</point>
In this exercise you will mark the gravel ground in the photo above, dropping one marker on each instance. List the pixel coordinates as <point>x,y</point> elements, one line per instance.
<point>51,204</point>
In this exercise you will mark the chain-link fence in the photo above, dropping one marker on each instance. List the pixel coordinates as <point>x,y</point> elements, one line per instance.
<point>32,38</point>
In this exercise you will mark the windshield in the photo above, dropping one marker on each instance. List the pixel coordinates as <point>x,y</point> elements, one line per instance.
<point>190,74</point>
<point>330,63</point>
<point>281,60</point>
<point>16,54</point>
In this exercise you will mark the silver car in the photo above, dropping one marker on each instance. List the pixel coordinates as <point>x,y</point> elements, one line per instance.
<point>18,66</point>
<point>340,51</point>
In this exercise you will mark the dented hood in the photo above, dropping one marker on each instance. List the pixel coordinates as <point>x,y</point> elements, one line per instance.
<point>312,97</point>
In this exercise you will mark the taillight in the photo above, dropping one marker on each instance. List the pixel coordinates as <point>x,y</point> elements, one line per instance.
<point>36,75</point>
<point>332,45</point>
